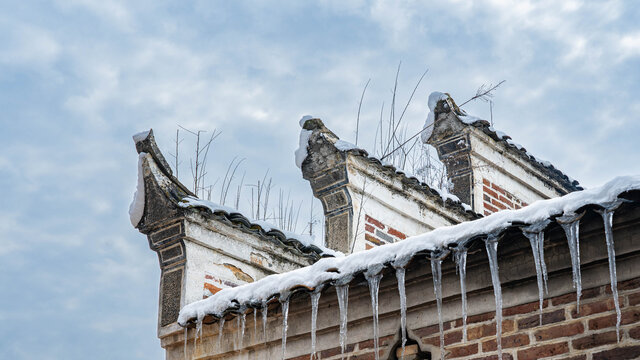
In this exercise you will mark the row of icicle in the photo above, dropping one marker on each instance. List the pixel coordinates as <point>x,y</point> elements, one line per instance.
<point>535,233</point>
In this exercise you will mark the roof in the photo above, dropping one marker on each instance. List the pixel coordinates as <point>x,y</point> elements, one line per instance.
<point>183,198</point>
<point>500,137</point>
<point>449,201</point>
<point>343,269</point>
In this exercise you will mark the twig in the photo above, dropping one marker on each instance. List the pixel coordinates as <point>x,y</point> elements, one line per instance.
<point>482,93</point>
<point>359,107</point>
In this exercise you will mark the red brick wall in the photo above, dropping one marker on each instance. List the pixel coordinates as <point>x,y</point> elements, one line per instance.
<point>376,233</point>
<point>495,198</point>
<point>564,334</point>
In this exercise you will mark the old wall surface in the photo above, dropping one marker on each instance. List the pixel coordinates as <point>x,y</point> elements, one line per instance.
<point>565,332</point>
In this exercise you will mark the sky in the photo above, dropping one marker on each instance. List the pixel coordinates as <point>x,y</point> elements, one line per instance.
<point>79,77</point>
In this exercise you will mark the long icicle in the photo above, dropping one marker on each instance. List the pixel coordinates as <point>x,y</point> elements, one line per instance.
<point>571,225</point>
<point>491,244</point>
<point>342,292</point>
<point>284,301</point>
<point>400,274</point>
<point>535,234</point>
<point>186,333</point>
<point>255,324</point>
<point>264,311</point>
<point>607,218</point>
<point>373,276</point>
<point>400,266</point>
<point>461,265</point>
<point>436,272</point>
<point>220,329</point>
<point>315,300</point>
<point>243,323</point>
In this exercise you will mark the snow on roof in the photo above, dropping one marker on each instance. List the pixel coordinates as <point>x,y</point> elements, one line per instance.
<point>333,269</point>
<point>308,242</point>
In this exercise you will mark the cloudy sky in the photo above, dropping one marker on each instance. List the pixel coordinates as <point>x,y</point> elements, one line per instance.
<point>79,77</point>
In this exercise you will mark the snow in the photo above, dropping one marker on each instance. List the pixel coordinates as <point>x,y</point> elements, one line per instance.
<point>141,136</point>
<point>136,208</point>
<point>468,119</point>
<point>305,240</point>
<point>325,269</point>
<point>301,152</point>
<point>434,97</point>
<point>344,145</point>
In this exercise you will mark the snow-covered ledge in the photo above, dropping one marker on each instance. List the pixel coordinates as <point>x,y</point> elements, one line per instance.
<point>367,203</point>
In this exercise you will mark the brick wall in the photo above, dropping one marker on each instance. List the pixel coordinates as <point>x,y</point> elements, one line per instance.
<point>564,334</point>
<point>377,233</point>
<point>495,198</point>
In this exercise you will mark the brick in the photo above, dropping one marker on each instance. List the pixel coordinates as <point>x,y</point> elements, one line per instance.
<point>368,246</point>
<point>432,329</point>
<point>634,299</point>
<point>559,331</point>
<point>373,221</point>
<point>625,285</point>
<point>368,344</point>
<point>542,351</point>
<point>579,357</point>
<point>498,189</point>
<point>591,308</point>
<point>490,192</point>
<point>485,330</point>
<point>373,239</point>
<point>486,182</point>
<point>335,351</point>
<point>524,308</point>
<point>571,297</point>
<point>547,318</point>
<point>517,340</point>
<point>369,228</point>
<point>477,318</point>
<point>634,333</point>
<point>449,338</point>
<point>397,233</point>
<point>505,356</point>
<point>367,356</point>
<point>594,340</point>
<point>461,351</point>
<point>302,357</point>
<point>498,204</point>
<point>628,317</point>
<point>384,236</point>
<point>619,353</point>
<point>506,201</point>
<point>493,209</point>
<point>486,198</point>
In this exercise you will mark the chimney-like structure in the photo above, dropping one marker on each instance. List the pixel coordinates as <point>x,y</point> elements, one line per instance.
<point>365,202</point>
<point>488,170</point>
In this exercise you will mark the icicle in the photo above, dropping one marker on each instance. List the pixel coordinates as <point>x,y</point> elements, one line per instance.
<point>373,276</point>
<point>255,324</point>
<point>186,333</point>
<point>315,299</point>
<point>491,243</point>
<point>198,332</point>
<point>461,265</point>
<point>400,265</point>
<point>243,322</point>
<point>607,218</point>
<point>436,271</point>
<point>400,273</point>
<point>220,329</point>
<point>265,309</point>
<point>284,301</point>
<point>535,234</point>
<point>571,225</point>
<point>342,291</point>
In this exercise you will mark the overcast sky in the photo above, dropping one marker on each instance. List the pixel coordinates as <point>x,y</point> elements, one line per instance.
<point>79,77</point>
